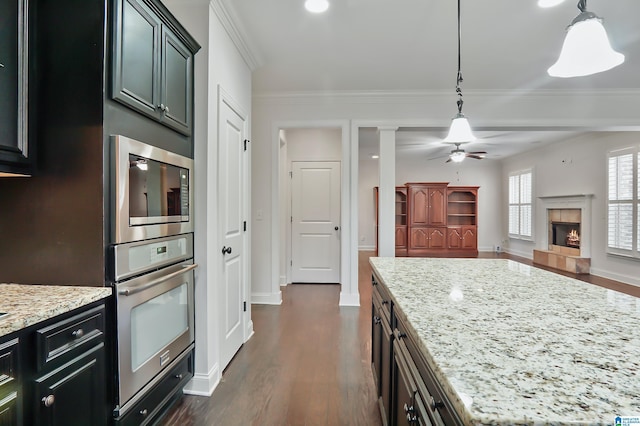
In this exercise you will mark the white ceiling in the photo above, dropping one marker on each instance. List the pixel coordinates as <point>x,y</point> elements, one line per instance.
<point>410,45</point>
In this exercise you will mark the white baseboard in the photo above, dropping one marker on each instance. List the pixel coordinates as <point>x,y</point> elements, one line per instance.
<point>349,299</point>
<point>525,254</point>
<point>617,277</point>
<point>249,331</point>
<point>366,248</point>
<point>203,384</point>
<point>266,298</point>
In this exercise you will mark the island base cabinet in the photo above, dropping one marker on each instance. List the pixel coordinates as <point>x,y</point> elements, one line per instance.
<point>9,410</point>
<point>73,394</point>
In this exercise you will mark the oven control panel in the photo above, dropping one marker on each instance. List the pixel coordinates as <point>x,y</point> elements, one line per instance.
<point>134,258</point>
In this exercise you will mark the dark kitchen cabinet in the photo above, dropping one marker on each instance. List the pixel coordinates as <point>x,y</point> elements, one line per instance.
<point>70,384</point>
<point>17,155</point>
<point>381,341</point>
<point>74,393</point>
<point>54,372</point>
<point>152,67</point>
<point>10,389</point>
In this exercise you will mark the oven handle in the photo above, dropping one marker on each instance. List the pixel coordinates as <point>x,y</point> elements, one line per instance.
<point>130,291</point>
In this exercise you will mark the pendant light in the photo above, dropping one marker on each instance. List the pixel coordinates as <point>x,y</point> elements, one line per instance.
<point>316,6</point>
<point>460,131</point>
<point>586,49</point>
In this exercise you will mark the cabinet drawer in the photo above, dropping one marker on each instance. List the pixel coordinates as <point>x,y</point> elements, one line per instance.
<point>8,368</point>
<point>69,337</point>
<point>147,410</point>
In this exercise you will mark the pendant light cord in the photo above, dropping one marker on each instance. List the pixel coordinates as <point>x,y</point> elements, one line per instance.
<point>459,78</point>
<point>582,5</point>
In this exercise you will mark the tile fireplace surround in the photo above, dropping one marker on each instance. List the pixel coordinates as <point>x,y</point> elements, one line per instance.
<point>565,208</point>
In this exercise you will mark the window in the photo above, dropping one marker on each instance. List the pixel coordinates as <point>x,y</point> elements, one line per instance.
<point>623,209</point>
<point>520,204</point>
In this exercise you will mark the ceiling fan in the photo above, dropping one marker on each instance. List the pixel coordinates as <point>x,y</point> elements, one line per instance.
<point>458,154</point>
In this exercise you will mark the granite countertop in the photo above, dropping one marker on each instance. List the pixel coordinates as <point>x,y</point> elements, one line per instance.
<point>514,344</point>
<point>31,304</point>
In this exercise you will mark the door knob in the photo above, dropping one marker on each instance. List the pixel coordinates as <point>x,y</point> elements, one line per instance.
<point>226,250</point>
<point>336,228</point>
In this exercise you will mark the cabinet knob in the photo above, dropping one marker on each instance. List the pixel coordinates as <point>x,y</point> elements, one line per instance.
<point>376,320</point>
<point>436,404</point>
<point>226,250</point>
<point>178,376</point>
<point>78,333</point>
<point>166,109</point>
<point>384,302</point>
<point>162,107</point>
<point>48,400</point>
<point>144,412</point>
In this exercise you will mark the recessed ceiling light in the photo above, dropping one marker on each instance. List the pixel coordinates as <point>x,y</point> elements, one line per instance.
<point>316,6</point>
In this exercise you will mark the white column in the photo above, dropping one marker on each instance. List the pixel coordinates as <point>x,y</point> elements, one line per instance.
<point>387,192</point>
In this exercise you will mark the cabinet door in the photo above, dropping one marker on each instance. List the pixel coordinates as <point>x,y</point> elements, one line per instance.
<point>9,384</point>
<point>437,206</point>
<point>13,86</point>
<point>454,238</point>
<point>419,238</point>
<point>437,238</point>
<point>401,237</point>
<point>376,340</point>
<point>176,86</point>
<point>73,394</point>
<point>385,371</point>
<point>419,206</point>
<point>136,68</point>
<point>469,238</point>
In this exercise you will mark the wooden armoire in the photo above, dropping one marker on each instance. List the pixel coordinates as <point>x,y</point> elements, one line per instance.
<point>434,219</point>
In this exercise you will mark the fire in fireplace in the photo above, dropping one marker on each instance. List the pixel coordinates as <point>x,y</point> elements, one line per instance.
<point>566,234</point>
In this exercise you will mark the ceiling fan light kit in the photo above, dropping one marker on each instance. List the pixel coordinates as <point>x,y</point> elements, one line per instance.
<point>586,49</point>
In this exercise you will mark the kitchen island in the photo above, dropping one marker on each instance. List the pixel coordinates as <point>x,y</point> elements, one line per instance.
<point>506,343</point>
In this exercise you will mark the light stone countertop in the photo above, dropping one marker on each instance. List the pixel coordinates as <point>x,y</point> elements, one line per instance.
<point>518,344</point>
<point>31,304</point>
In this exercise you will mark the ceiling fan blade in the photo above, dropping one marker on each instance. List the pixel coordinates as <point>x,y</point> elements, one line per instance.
<point>477,152</point>
<point>477,157</point>
<point>448,161</point>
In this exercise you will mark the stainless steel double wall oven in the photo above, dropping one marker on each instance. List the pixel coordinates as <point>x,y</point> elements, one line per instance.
<point>151,268</point>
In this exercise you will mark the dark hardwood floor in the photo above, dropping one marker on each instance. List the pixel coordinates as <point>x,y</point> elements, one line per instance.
<point>309,362</point>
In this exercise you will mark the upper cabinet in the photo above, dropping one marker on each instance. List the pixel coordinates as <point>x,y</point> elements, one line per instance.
<point>17,157</point>
<point>152,66</point>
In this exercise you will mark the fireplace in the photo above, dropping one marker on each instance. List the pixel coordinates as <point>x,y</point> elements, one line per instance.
<point>565,242</point>
<point>565,234</point>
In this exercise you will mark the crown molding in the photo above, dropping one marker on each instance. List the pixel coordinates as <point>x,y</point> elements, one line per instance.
<point>372,95</point>
<point>237,33</point>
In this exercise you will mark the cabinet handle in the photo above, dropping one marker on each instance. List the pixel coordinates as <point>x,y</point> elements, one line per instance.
<point>226,250</point>
<point>178,376</point>
<point>402,335</point>
<point>78,333</point>
<point>48,400</point>
<point>144,412</point>
<point>384,302</point>
<point>436,404</point>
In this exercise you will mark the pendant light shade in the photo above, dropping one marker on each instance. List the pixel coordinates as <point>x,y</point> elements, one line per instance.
<point>460,131</point>
<point>316,6</point>
<point>586,49</point>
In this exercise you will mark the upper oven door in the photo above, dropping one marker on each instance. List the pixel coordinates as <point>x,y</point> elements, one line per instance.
<point>151,192</point>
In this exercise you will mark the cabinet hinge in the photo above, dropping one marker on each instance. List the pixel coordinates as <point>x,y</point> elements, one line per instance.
<point>245,226</point>
<point>246,141</point>
<point>244,306</point>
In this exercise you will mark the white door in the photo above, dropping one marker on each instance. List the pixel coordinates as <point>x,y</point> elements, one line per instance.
<point>231,163</point>
<point>315,222</point>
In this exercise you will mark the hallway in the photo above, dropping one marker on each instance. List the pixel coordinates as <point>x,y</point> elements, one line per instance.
<point>307,364</point>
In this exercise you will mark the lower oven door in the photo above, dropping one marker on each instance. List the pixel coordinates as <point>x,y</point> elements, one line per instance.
<point>155,324</point>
